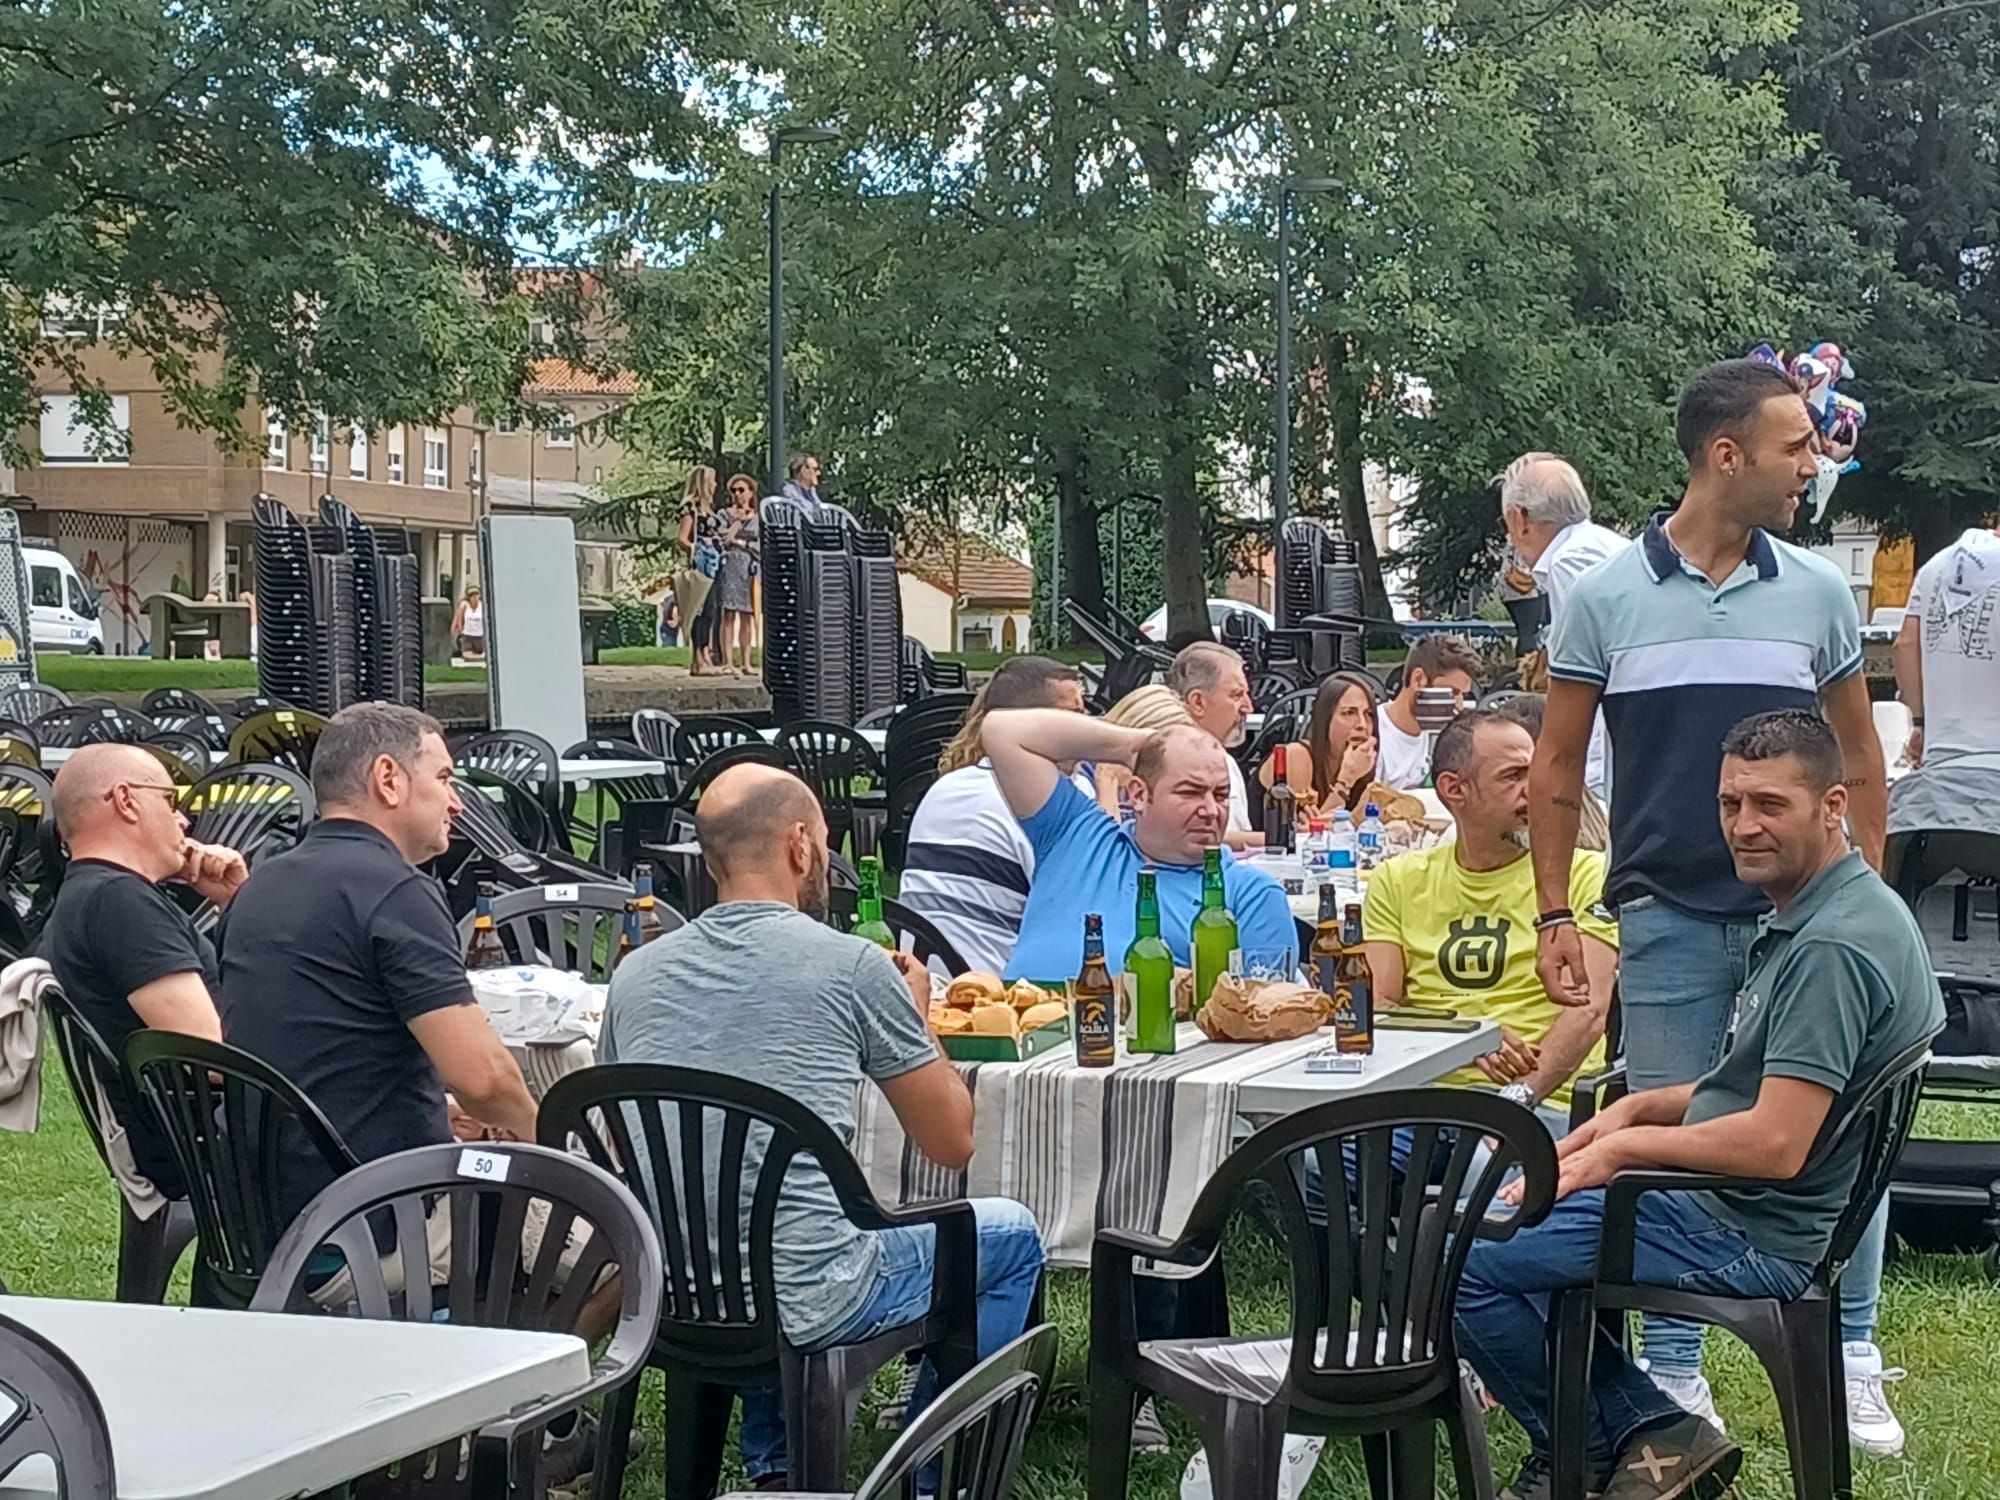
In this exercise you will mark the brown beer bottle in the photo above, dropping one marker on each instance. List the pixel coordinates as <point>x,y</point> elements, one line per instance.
<point>1323,958</point>
<point>485,951</point>
<point>1281,808</point>
<point>1354,995</point>
<point>1092,1023</point>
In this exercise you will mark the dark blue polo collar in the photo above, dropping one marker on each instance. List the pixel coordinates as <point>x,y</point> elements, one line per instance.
<point>1663,559</point>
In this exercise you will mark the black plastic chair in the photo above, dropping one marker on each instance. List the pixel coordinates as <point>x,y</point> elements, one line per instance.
<point>184,770</point>
<point>81,724</point>
<point>36,874</point>
<point>657,1128</point>
<point>1798,1342</point>
<point>227,1115</point>
<point>496,1279</point>
<point>54,1414</point>
<point>915,933</point>
<point>573,927</point>
<point>618,791</point>
<point>976,1429</point>
<point>252,704</point>
<point>30,701</point>
<point>255,809</point>
<point>521,758</point>
<point>180,700</point>
<point>18,751</point>
<point>278,737</point>
<point>1370,1353</point>
<point>489,831</point>
<point>831,758</point>
<point>149,1248</point>
<point>191,748</point>
<point>699,736</point>
<point>1128,663</point>
<point>696,779</point>
<point>213,730</point>
<point>653,730</point>
<point>880,718</point>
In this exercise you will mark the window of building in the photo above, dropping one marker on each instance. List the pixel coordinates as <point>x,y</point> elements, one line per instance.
<point>475,458</point>
<point>69,437</point>
<point>562,431</point>
<point>396,455</point>
<point>66,318</point>
<point>276,442</point>
<point>357,453</point>
<point>507,423</point>
<point>436,458</point>
<point>321,448</point>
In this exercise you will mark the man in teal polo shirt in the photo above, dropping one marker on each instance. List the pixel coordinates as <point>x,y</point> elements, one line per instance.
<point>1086,861</point>
<point>1707,618</point>
<point>1838,986</point>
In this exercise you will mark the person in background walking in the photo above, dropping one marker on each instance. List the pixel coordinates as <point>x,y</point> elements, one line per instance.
<point>739,555</point>
<point>468,625</point>
<point>803,485</point>
<point>670,620</point>
<point>698,528</point>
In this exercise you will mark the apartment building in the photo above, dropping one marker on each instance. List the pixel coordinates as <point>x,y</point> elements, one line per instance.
<point>146,505</point>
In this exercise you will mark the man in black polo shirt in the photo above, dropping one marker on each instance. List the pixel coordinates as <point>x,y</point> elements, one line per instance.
<point>341,966</point>
<point>126,956</point>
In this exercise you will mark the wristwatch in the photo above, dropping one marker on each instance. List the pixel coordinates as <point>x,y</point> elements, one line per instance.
<point>1519,1093</point>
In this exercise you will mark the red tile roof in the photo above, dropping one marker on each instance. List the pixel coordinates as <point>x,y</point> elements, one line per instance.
<point>982,571</point>
<point>558,377</point>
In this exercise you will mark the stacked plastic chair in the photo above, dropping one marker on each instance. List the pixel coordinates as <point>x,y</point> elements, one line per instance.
<point>339,615</point>
<point>833,615</point>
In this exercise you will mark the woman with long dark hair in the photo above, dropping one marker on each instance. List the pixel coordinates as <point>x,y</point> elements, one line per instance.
<point>1334,766</point>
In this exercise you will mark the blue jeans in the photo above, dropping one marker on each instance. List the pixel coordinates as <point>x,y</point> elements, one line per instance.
<point>1678,976</point>
<point>1503,1306</point>
<point>1010,1266</point>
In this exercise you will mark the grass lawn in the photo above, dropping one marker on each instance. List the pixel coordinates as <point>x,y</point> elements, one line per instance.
<point>58,1237</point>
<point>77,675</point>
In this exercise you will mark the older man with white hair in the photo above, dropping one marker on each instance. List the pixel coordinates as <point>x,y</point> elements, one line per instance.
<point>1546,512</point>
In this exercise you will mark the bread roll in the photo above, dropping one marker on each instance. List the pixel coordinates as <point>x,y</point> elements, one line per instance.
<point>1023,995</point>
<point>947,1021</point>
<point>996,1020</point>
<point>1048,1012</point>
<point>974,987</point>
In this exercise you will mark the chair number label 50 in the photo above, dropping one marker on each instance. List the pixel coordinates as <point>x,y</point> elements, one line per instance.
<point>484,1166</point>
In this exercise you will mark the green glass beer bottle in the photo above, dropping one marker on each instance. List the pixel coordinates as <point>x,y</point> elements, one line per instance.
<point>1214,931</point>
<point>1150,963</point>
<point>868,921</point>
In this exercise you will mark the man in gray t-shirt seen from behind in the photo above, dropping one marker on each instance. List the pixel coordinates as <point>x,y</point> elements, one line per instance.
<point>758,988</point>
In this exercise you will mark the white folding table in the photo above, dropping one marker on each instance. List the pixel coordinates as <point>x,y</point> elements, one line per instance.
<point>1401,1060</point>
<point>204,1404</point>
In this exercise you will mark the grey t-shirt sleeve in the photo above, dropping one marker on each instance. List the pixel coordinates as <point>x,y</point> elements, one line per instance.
<point>1821,1006</point>
<point>893,1037</point>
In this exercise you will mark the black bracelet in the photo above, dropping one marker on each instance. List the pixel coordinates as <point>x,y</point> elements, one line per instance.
<point>1555,918</point>
<point>1916,721</point>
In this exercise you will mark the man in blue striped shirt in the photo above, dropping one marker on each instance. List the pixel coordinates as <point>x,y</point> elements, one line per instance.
<point>1706,619</point>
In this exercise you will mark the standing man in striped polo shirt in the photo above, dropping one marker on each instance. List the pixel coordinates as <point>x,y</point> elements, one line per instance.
<point>1704,620</point>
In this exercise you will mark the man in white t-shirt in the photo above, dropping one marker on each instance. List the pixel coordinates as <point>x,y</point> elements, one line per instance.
<point>968,866</point>
<point>1209,678</point>
<point>1546,512</point>
<point>1403,755</point>
<point>1948,653</point>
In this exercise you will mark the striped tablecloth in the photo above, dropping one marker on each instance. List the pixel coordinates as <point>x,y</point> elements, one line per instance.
<point>1130,1145</point>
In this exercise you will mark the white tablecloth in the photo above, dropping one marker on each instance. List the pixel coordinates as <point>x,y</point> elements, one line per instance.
<point>1131,1145</point>
<point>204,1404</point>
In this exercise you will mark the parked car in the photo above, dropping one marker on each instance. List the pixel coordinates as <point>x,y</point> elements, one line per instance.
<point>1154,627</point>
<point>62,607</point>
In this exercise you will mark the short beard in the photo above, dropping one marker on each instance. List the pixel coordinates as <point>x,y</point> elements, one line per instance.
<point>1518,837</point>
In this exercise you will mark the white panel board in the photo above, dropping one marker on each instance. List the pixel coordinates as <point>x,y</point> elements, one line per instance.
<point>534,636</point>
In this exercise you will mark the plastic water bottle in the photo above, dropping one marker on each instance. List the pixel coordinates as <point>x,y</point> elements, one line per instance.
<point>1340,848</point>
<point>1315,853</point>
<point>1368,838</point>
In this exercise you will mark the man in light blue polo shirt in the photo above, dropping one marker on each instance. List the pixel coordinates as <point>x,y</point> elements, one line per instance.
<point>1086,861</point>
<point>1706,619</point>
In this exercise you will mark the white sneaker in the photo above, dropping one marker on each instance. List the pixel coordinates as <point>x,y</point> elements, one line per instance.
<point>1690,1393</point>
<point>1871,1426</point>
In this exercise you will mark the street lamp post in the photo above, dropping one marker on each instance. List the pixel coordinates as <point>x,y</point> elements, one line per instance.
<point>1281,446</point>
<point>795,135</point>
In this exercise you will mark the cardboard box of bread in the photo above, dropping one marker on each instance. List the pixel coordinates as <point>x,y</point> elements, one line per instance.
<point>983,1019</point>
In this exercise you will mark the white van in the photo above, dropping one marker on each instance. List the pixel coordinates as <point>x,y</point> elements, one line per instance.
<point>62,608</point>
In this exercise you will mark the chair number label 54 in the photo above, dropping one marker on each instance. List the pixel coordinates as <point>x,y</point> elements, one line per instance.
<point>485,1166</point>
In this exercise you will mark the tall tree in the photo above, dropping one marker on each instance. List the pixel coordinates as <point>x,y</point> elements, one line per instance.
<point>324,200</point>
